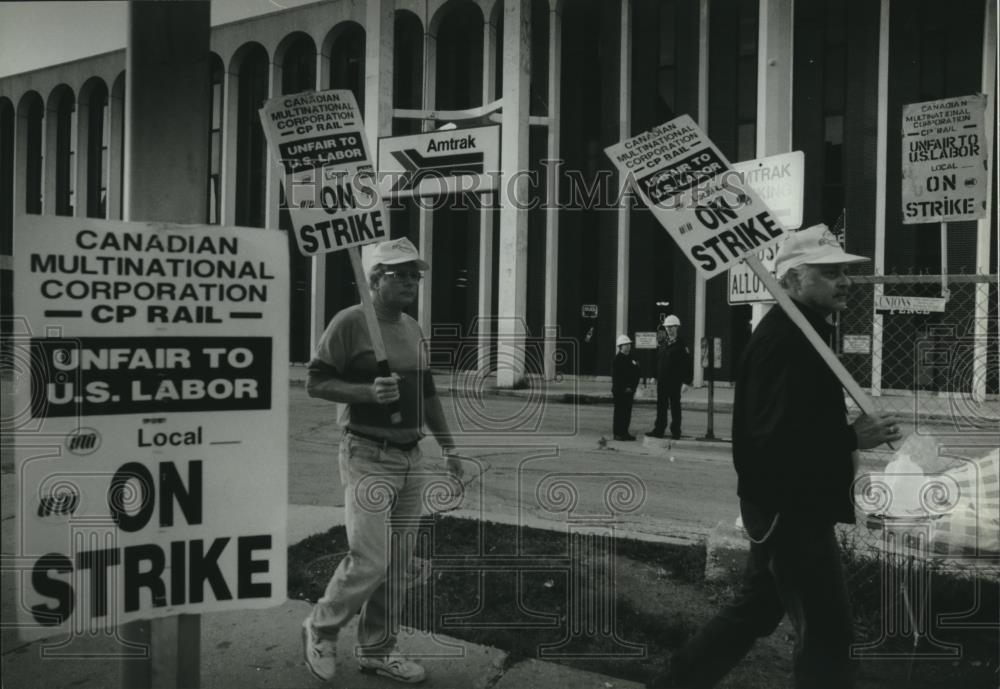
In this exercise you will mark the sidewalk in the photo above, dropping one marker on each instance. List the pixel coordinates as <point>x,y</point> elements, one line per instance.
<point>579,389</point>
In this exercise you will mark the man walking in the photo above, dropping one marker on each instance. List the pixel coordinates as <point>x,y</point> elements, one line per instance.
<point>380,465</point>
<point>673,375</point>
<point>795,458</point>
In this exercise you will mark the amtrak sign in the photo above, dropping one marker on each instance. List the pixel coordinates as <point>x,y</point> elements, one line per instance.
<point>445,161</point>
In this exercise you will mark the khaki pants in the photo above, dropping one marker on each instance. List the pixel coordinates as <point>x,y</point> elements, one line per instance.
<point>383,501</point>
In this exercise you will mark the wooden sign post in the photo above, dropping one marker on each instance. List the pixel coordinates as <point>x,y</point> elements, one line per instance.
<point>320,141</point>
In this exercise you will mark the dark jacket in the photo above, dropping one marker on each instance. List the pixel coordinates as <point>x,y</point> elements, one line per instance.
<point>673,363</point>
<point>624,374</point>
<point>791,441</point>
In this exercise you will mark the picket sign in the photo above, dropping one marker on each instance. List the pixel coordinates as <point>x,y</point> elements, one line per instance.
<point>319,139</point>
<point>853,388</point>
<point>685,181</point>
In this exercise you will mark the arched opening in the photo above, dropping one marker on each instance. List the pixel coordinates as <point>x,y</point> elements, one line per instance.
<point>116,157</point>
<point>407,69</point>
<point>7,119</point>
<point>347,71</point>
<point>297,56</point>
<point>251,67</point>
<point>588,243</point>
<point>217,80</point>
<point>62,106</point>
<point>455,252</point>
<point>95,133</point>
<point>31,116</point>
<point>347,60</point>
<point>459,82</point>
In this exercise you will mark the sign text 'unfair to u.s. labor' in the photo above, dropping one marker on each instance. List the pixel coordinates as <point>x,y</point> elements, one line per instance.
<point>711,212</point>
<point>149,420</point>
<point>330,189</point>
<point>944,160</point>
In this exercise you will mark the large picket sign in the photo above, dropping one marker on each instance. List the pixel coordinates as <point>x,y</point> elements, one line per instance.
<point>715,217</point>
<point>944,160</point>
<point>150,421</point>
<point>330,186</point>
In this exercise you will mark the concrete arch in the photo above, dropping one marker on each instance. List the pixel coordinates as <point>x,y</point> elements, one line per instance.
<point>59,175</point>
<point>240,55</point>
<point>458,66</point>
<point>8,126</point>
<point>29,155</point>
<point>338,31</point>
<point>92,113</point>
<point>445,9</point>
<point>116,146</point>
<point>289,42</point>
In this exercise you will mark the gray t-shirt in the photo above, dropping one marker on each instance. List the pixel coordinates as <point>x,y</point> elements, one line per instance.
<point>345,351</point>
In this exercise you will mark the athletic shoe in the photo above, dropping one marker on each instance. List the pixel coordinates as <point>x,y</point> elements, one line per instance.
<point>654,434</point>
<point>394,666</point>
<point>320,653</point>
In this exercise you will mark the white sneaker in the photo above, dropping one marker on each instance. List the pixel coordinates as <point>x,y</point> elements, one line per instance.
<point>394,666</point>
<point>321,654</point>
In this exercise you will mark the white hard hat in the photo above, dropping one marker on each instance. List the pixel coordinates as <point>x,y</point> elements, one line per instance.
<point>622,339</point>
<point>671,320</point>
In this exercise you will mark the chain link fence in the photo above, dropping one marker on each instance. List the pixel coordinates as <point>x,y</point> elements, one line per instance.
<point>926,347</point>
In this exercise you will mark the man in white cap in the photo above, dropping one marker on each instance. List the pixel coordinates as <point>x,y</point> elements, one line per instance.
<point>380,464</point>
<point>795,458</point>
<point>624,379</point>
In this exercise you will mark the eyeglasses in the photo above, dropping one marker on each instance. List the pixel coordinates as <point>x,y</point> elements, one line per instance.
<point>400,275</point>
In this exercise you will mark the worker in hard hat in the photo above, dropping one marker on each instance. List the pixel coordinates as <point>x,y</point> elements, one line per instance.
<point>624,379</point>
<point>673,375</point>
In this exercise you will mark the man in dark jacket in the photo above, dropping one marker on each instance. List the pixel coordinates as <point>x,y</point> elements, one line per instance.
<point>795,457</point>
<point>624,379</point>
<point>673,372</point>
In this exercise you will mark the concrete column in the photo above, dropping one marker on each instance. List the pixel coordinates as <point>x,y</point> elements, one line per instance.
<point>698,378</point>
<point>50,127</point>
<point>881,166</point>
<point>624,131</point>
<point>167,117</point>
<point>81,158</point>
<point>20,189</point>
<point>230,125</point>
<point>116,148</point>
<point>425,244</point>
<point>379,48</point>
<point>981,315</point>
<point>513,220</point>
<point>167,112</point>
<point>774,89</point>
<point>552,190</point>
<point>484,323</point>
<point>272,171</point>
<point>317,264</point>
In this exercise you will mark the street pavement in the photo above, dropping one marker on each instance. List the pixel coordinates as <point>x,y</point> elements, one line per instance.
<point>540,456</point>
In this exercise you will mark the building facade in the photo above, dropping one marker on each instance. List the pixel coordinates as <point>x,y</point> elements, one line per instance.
<point>554,256</point>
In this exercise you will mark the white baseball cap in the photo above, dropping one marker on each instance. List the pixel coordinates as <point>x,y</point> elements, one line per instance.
<point>397,251</point>
<point>671,320</point>
<point>622,339</point>
<point>813,245</point>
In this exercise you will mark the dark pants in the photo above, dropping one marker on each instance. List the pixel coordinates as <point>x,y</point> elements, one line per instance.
<point>623,412</point>
<point>795,571</point>
<point>668,396</point>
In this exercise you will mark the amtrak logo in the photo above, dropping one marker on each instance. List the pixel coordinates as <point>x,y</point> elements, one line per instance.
<point>83,441</point>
